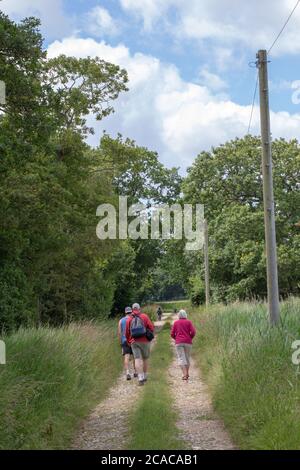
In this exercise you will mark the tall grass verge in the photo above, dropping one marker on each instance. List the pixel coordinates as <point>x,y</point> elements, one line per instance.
<point>153,423</point>
<point>150,310</point>
<point>52,379</point>
<point>248,367</point>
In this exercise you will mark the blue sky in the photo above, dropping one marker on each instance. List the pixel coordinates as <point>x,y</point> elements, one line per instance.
<point>190,83</point>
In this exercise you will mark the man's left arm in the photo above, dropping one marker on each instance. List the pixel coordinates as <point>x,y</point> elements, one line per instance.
<point>127,331</point>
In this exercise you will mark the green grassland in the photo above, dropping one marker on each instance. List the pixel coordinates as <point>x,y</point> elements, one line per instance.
<point>248,366</point>
<point>52,379</point>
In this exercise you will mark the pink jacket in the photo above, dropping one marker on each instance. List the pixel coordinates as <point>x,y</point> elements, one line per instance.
<point>183,331</point>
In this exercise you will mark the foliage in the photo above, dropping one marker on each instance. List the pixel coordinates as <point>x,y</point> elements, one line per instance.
<point>228,182</point>
<point>138,173</point>
<point>21,63</point>
<point>78,87</point>
<point>150,310</point>
<point>197,290</point>
<point>53,269</point>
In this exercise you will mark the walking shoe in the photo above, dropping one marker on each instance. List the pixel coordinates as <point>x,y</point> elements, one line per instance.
<point>135,375</point>
<point>128,377</point>
<point>141,382</point>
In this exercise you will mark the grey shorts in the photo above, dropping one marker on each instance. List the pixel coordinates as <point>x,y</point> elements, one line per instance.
<point>140,350</point>
<point>183,351</point>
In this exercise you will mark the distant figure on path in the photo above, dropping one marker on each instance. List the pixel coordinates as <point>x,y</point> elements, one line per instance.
<point>139,333</point>
<point>126,348</point>
<point>183,332</point>
<point>159,313</point>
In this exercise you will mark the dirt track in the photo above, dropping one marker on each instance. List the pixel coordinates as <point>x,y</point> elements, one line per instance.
<point>107,426</point>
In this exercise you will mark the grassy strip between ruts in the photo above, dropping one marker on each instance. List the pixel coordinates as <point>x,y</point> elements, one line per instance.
<point>52,379</point>
<point>152,425</point>
<point>248,367</point>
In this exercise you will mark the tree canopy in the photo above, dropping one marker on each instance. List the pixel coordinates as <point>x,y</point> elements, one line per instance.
<point>53,268</point>
<point>228,181</point>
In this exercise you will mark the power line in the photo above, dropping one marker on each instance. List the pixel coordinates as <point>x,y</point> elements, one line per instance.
<point>253,103</point>
<point>283,27</point>
<point>269,50</point>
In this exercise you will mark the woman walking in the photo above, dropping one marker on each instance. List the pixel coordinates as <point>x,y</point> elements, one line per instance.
<point>183,332</point>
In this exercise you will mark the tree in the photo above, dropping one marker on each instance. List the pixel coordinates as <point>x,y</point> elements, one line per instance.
<point>52,266</point>
<point>228,182</point>
<point>137,171</point>
<point>78,87</point>
<point>21,61</point>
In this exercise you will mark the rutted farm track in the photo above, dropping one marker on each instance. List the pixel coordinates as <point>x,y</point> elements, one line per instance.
<point>198,426</point>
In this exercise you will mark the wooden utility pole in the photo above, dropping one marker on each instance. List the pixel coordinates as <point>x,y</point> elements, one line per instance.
<point>206,263</point>
<point>269,212</point>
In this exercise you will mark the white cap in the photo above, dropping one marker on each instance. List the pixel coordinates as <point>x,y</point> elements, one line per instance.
<point>136,307</point>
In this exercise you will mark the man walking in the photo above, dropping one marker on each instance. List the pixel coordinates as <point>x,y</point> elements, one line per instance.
<point>139,333</point>
<point>159,313</point>
<point>126,348</point>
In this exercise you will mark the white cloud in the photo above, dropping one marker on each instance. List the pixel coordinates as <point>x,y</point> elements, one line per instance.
<point>148,10</point>
<point>100,22</point>
<point>51,13</point>
<point>224,58</point>
<point>211,80</point>
<point>230,23</point>
<point>77,47</point>
<point>284,124</point>
<point>166,113</point>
